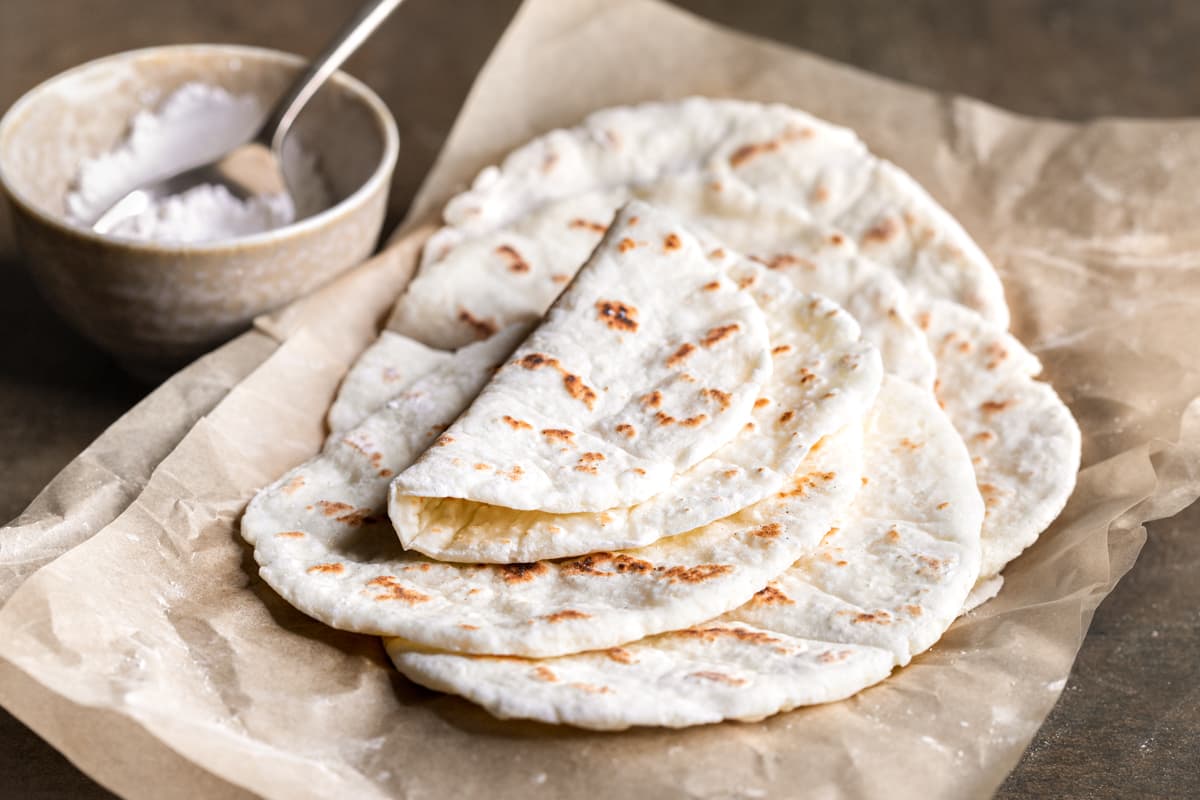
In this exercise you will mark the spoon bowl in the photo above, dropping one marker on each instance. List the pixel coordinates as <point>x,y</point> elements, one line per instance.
<point>249,170</point>
<point>256,167</point>
<point>156,305</point>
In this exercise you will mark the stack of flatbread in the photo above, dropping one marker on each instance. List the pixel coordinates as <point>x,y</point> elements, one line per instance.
<point>696,411</point>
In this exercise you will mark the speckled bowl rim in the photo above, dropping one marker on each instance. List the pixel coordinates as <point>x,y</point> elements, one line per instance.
<point>382,173</point>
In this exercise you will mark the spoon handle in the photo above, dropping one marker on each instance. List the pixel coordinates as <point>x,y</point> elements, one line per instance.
<point>357,30</point>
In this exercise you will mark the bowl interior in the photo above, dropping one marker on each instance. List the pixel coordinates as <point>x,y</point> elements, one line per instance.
<point>86,111</point>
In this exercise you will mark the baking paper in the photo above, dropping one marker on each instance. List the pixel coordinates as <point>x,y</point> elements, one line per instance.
<point>152,655</point>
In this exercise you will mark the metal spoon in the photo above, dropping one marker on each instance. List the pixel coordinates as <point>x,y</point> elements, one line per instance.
<point>256,167</point>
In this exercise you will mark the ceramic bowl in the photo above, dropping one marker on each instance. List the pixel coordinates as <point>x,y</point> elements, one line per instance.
<point>156,305</point>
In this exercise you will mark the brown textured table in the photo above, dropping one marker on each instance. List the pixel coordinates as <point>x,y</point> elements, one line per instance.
<point>1128,724</point>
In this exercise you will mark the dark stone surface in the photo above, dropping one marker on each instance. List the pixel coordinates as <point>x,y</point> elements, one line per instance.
<point>1128,724</point>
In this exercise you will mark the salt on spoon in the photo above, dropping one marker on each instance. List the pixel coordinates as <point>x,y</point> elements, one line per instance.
<point>195,123</point>
<point>255,168</point>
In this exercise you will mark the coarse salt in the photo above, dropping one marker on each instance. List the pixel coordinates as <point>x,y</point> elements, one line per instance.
<point>196,124</point>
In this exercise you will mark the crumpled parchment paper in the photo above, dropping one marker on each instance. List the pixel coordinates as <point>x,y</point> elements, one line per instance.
<point>137,638</point>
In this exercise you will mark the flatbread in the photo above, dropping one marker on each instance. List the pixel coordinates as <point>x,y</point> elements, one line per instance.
<point>873,296</point>
<point>1026,454</point>
<point>649,362</point>
<point>814,257</point>
<point>986,588</point>
<point>825,378</point>
<point>322,542</point>
<point>881,588</point>
<point>384,369</point>
<point>550,246</point>
<point>571,178</point>
<point>1024,443</point>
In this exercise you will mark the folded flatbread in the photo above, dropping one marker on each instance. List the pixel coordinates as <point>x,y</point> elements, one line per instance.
<point>1024,443</point>
<point>816,259</point>
<point>488,490</point>
<point>649,361</point>
<point>323,543</point>
<point>882,587</point>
